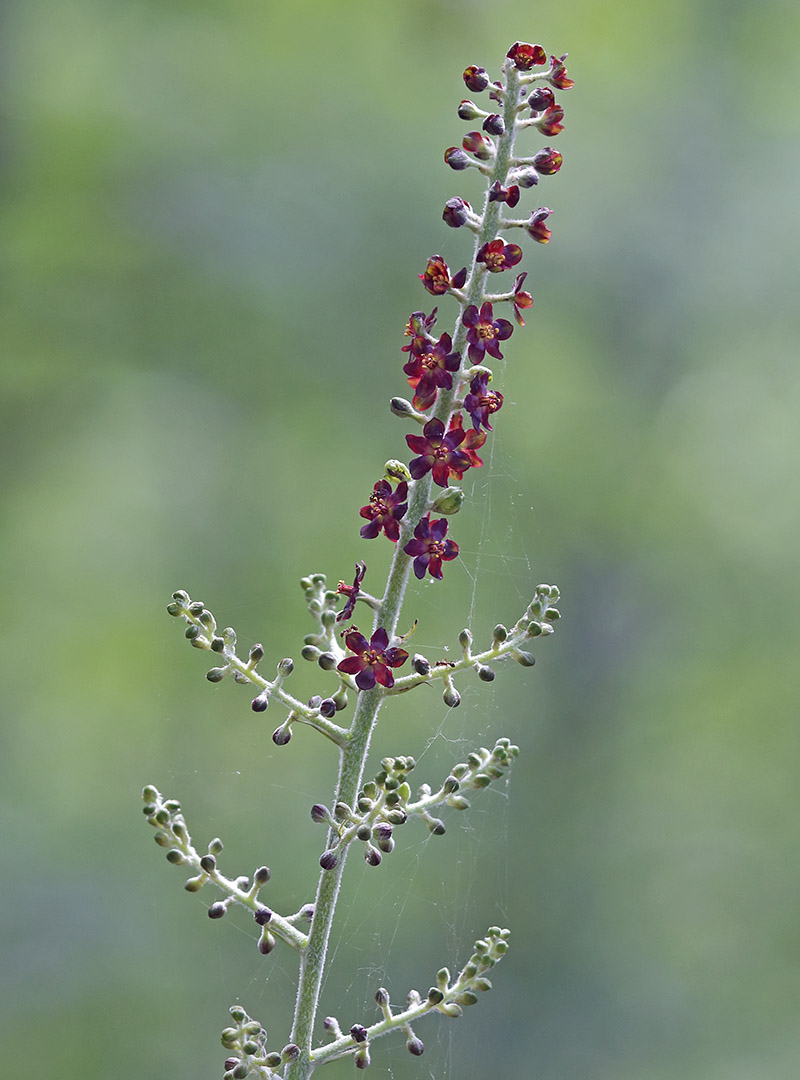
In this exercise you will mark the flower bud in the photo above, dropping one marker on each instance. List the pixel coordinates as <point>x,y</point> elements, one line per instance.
<point>175,857</point>
<point>327,708</point>
<point>523,658</point>
<point>476,78</point>
<point>216,674</point>
<point>217,910</point>
<point>262,915</point>
<point>485,674</point>
<point>494,124</point>
<point>396,471</point>
<point>415,1046</point>
<point>261,875</point>
<point>547,161</point>
<point>259,704</point>
<point>449,502</point>
<point>208,863</point>
<point>382,997</point>
<point>267,942</point>
<point>282,735</point>
<point>421,664</point>
<point>328,860</point>
<point>451,697</point>
<point>468,110</point>
<point>527,178</point>
<point>541,99</point>
<point>455,214</point>
<point>359,1033</point>
<point>320,814</point>
<point>193,884</point>
<point>372,856</point>
<point>362,1058</point>
<point>290,1052</point>
<point>286,666</point>
<point>455,157</point>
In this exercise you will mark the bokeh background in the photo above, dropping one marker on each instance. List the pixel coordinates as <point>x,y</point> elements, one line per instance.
<point>213,215</point>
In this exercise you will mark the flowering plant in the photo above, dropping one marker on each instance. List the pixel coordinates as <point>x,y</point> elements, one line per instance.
<point>410,506</point>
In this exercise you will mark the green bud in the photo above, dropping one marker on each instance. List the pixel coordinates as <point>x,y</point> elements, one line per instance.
<point>310,652</point>
<point>286,666</point>
<point>162,839</point>
<point>450,501</point>
<point>552,614</point>
<point>474,759</point>
<point>481,984</point>
<point>404,792</point>
<point>555,592</point>
<point>238,1014</point>
<point>460,771</point>
<point>536,608</point>
<point>371,789</point>
<point>500,634</point>
<point>181,596</point>
<point>534,629</point>
<point>250,1047</point>
<point>228,1037</point>
<point>149,793</point>
<point>229,636</point>
<point>272,1060</point>
<point>523,658</point>
<point>327,661</point>
<point>465,639</point>
<point>175,609</point>
<point>290,1052</point>
<point>328,618</point>
<point>197,608</point>
<point>193,884</point>
<point>362,1058</point>
<point>208,863</point>
<point>175,857</point>
<point>340,698</point>
<point>382,997</point>
<point>466,997</point>
<point>217,644</point>
<point>207,619</point>
<point>543,590</point>
<point>485,674</point>
<point>435,995</point>
<point>481,780</point>
<point>267,942</point>
<point>216,674</point>
<point>363,832</point>
<point>437,827</point>
<point>396,471</point>
<point>450,785</point>
<point>216,846</point>
<point>458,802</point>
<point>241,1072</point>
<point>191,632</point>
<point>451,1009</point>
<point>261,876</point>
<point>364,805</point>
<point>256,653</point>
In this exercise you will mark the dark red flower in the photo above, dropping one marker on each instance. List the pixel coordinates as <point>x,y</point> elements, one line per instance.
<point>480,402</point>
<point>429,549</point>
<point>372,659</point>
<point>429,369</point>
<point>536,226</point>
<point>473,441</point>
<point>456,212</point>
<point>497,256</point>
<point>476,78</point>
<point>547,161</point>
<point>418,329</point>
<point>436,278</point>
<point>438,452</point>
<point>526,56</point>
<point>351,592</point>
<point>484,332</point>
<point>384,510</point>
<point>549,123</point>
<point>520,300</point>
<point>509,195</point>
<point>476,144</point>
<point>558,73</point>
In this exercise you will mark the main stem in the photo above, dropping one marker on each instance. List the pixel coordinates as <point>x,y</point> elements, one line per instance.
<point>353,756</point>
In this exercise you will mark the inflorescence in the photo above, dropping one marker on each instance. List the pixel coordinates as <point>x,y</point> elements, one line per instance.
<point>455,402</point>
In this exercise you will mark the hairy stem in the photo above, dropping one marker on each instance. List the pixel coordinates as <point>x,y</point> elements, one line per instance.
<point>353,754</point>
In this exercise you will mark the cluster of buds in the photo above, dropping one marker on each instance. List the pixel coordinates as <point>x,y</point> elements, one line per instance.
<point>247,1040</point>
<point>449,996</point>
<point>386,802</point>
<point>166,817</point>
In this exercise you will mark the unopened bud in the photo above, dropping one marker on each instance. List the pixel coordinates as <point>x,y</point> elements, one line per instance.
<point>396,471</point>
<point>415,1046</point>
<point>455,157</point>
<point>456,212</point>
<point>476,78</point>
<point>286,666</point>
<point>450,501</point>
<point>282,735</point>
<point>468,110</point>
<point>328,860</point>
<point>451,697</point>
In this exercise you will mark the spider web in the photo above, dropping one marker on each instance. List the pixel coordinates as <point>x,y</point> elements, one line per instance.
<point>428,881</point>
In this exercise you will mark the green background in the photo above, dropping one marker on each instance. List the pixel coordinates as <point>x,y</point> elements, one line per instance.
<point>213,215</point>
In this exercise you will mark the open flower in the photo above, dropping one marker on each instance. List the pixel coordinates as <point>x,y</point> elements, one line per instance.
<point>480,402</point>
<point>429,549</point>
<point>558,73</point>
<point>509,195</point>
<point>429,370</point>
<point>418,328</point>
<point>351,592</point>
<point>436,278</point>
<point>372,660</point>
<point>385,510</point>
<point>484,332</point>
<point>536,226</point>
<point>497,256</point>
<point>526,56</point>
<point>438,452</point>
<point>521,300</point>
<point>473,441</point>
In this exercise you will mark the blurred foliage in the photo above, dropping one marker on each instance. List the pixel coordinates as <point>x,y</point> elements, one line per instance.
<point>212,219</point>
